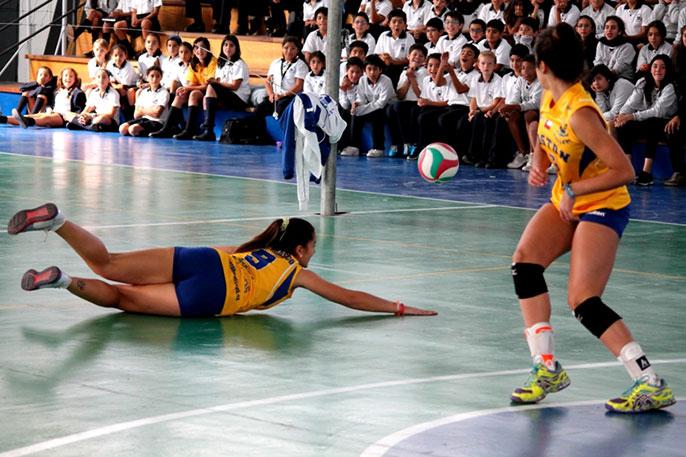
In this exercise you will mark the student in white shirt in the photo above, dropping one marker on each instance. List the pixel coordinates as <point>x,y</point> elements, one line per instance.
<point>667,12</point>
<point>142,18</point>
<point>394,46</point>
<point>315,80</point>
<point>563,11</point>
<point>151,104</point>
<point>453,40</point>
<point>434,31</point>
<point>477,32</point>
<point>100,59</point>
<point>169,62</point>
<point>636,16</point>
<point>400,114</point>
<point>526,34</point>
<point>614,50</point>
<point>598,10</point>
<point>439,10</point>
<point>656,45</point>
<point>374,92</point>
<point>350,79</point>
<point>357,49</point>
<point>361,33</point>
<point>150,58</point>
<point>494,10</point>
<point>316,40</point>
<point>123,78</point>
<point>378,11</point>
<point>496,44</point>
<point>101,113</point>
<point>180,75</point>
<point>610,92</point>
<point>310,7</point>
<point>417,13</point>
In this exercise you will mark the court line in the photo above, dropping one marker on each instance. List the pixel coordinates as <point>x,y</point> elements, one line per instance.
<point>385,444</point>
<point>122,426</point>
<point>418,197</point>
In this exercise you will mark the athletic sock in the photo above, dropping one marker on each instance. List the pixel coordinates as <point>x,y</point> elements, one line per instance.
<point>636,362</point>
<point>63,282</point>
<point>40,101</point>
<point>539,337</point>
<point>210,112</point>
<point>23,101</point>
<point>29,121</point>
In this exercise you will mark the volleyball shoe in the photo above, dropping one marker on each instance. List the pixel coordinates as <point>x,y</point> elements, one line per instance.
<point>541,382</point>
<point>642,396</point>
<point>46,217</point>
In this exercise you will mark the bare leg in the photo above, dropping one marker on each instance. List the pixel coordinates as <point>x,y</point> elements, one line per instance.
<point>159,299</point>
<point>648,165</point>
<point>151,266</point>
<point>593,255</point>
<point>545,238</point>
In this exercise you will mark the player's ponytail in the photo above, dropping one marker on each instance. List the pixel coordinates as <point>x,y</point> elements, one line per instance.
<point>561,49</point>
<point>282,235</point>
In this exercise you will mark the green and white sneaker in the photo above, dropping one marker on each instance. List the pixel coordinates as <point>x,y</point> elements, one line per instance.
<point>541,382</point>
<point>642,396</point>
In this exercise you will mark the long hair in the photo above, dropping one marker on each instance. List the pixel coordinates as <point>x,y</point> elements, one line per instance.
<point>282,235</point>
<point>236,55</point>
<point>650,84</point>
<point>205,43</point>
<point>511,17</point>
<point>606,73</point>
<point>561,49</point>
<point>77,80</point>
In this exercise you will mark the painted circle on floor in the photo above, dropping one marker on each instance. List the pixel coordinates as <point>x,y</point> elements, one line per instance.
<point>571,430</point>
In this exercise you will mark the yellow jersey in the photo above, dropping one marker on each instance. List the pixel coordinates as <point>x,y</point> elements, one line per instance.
<point>200,77</point>
<point>257,280</point>
<point>572,158</point>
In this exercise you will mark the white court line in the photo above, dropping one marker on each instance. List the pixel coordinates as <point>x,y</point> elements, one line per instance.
<point>386,443</point>
<point>114,428</point>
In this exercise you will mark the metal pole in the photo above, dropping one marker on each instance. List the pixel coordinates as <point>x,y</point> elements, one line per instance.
<point>333,61</point>
<point>63,34</point>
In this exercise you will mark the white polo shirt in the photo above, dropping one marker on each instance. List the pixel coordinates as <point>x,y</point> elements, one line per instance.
<point>432,14</point>
<point>487,13</point>
<point>93,67</point>
<point>62,102</point>
<point>453,46</point>
<point>398,48</point>
<point>367,38</point>
<point>434,93</point>
<point>467,78</point>
<point>502,51</point>
<point>144,6</point>
<point>309,9</point>
<point>285,73</point>
<point>170,67</point>
<point>416,17</point>
<point>125,75</point>
<point>486,92</point>
<point>181,73</point>
<point>634,19</point>
<point>104,103</point>
<point>314,42</point>
<point>315,84</point>
<point>570,17</point>
<point>146,61</point>
<point>598,17</point>
<point>232,71</point>
<point>383,7</point>
<point>420,75</point>
<point>509,81</point>
<point>148,98</point>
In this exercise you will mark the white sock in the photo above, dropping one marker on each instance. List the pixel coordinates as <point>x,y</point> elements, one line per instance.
<point>539,337</point>
<point>636,362</point>
<point>63,282</point>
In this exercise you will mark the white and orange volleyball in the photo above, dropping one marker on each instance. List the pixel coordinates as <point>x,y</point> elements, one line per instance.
<point>438,162</point>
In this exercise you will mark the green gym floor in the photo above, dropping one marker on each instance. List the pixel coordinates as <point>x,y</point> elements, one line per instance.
<point>308,377</point>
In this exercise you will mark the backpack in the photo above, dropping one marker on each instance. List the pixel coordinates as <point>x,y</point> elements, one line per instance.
<point>244,130</point>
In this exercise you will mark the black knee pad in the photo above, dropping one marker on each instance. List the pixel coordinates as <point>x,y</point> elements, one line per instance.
<point>595,315</point>
<point>528,279</point>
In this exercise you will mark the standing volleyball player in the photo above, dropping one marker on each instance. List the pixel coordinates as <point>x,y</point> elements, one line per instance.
<point>587,214</point>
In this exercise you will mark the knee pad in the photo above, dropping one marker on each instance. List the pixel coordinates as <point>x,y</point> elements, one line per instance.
<point>528,280</point>
<point>595,315</point>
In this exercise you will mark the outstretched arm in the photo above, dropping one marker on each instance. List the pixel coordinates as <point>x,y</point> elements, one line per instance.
<point>352,298</point>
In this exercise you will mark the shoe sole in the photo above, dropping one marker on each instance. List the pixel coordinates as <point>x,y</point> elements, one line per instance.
<point>21,221</point>
<point>33,279</point>
<point>619,411</point>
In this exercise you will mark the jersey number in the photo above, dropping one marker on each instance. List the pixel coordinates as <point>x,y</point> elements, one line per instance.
<point>259,259</point>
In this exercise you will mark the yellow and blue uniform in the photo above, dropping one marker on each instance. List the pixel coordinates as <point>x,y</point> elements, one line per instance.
<point>573,159</point>
<point>210,282</point>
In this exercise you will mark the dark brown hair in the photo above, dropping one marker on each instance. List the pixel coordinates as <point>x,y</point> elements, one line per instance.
<point>297,232</point>
<point>561,49</point>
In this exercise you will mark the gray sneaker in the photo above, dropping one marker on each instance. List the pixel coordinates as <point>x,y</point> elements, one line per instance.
<point>350,151</point>
<point>519,161</point>
<point>529,163</point>
<point>552,169</point>
<point>375,153</point>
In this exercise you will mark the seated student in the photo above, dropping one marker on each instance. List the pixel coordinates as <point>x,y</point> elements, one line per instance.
<point>151,103</point>
<point>69,101</point>
<point>526,35</point>
<point>609,91</point>
<point>667,12</point>
<point>93,13</point>
<point>656,32</point>
<point>432,103</point>
<point>521,107</point>
<point>469,9</point>
<point>517,54</point>
<point>453,41</point>
<point>101,113</point>
<point>142,18</point>
<point>374,92</point>
<point>477,32</point>
<point>310,8</point>
<point>650,107</point>
<point>39,94</point>
<point>438,10</point>
<point>360,33</point>
<point>400,114</point>
<point>357,49</point>
<point>434,30</point>
<point>540,12</point>
<point>494,10</point>
<point>394,46</point>
<point>636,16</point>
<point>123,77</point>
<point>614,50</point>
<point>515,12</point>
<point>348,94</point>
<point>181,72</point>
<point>598,11</point>
<point>316,40</point>
<point>497,45</point>
<point>563,11</point>
<point>169,62</point>
<point>285,79</point>
<point>486,95</point>
<point>509,81</point>
<point>453,123</point>
<point>229,88</point>
<point>149,58</point>
<point>585,28</point>
<point>315,80</point>
<point>416,12</point>
<point>100,59</point>
<point>378,11</point>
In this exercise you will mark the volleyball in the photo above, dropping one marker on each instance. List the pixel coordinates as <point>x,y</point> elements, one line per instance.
<point>438,162</point>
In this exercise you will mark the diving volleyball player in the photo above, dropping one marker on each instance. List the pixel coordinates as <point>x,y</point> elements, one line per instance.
<point>194,282</point>
<point>587,214</point>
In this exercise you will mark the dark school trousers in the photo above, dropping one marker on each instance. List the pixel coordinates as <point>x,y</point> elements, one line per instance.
<point>428,130</point>
<point>455,129</point>
<point>488,136</point>
<point>400,119</point>
<point>653,130</point>
<point>378,120</point>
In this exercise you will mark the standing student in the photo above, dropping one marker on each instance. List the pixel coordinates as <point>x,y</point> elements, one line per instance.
<point>374,92</point>
<point>69,102</point>
<point>193,282</point>
<point>151,103</point>
<point>101,113</point>
<point>587,214</point>
<point>394,46</point>
<point>230,87</point>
